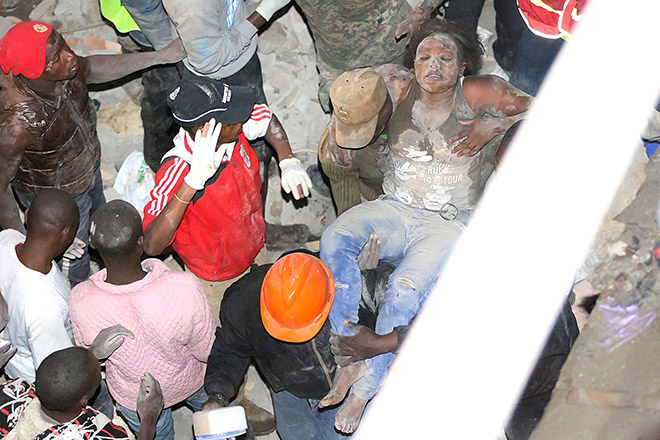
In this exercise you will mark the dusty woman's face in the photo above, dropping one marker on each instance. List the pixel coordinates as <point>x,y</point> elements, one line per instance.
<point>437,67</point>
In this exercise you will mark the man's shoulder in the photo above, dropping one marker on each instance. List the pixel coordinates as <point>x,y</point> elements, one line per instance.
<point>176,283</point>
<point>82,291</point>
<point>90,424</point>
<point>248,286</point>
<point>103,426</point>
<point>9,238</point>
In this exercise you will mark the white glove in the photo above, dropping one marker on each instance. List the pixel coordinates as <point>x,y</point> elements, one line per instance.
<point>76,250</point>
<point>203,164</point>
<point>268,8</point>
<point>224,153</point>
<point>293,175</point>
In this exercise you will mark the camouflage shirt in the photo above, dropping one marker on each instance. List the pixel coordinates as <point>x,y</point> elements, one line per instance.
<point>356,33</point>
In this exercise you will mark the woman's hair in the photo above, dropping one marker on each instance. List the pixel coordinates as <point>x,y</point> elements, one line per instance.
<point>468,44</point>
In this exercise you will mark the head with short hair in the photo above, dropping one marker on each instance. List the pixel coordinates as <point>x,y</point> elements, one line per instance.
<point>116,229</point>
<point>67,379</point>
<point>468,44</point>
<point>54,216</point>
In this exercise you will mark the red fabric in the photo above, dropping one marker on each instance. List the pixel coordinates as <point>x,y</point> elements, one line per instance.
<point>223,231</point>
<point>551,18</point>
<point>23,49</point>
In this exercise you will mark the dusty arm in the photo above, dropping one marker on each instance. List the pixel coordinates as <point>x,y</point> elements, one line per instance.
<point>14,139</point>
<point>294,177</point>
<point>106,68</point>
<point>498,104</point>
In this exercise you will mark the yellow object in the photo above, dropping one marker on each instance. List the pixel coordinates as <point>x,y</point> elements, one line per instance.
<point>119,16</point>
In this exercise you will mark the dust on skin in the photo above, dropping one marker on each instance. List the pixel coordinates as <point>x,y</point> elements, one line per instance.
<point>436,64</point>
<point>277,131</point>
<point>437,70</point>
<point>397,78</point>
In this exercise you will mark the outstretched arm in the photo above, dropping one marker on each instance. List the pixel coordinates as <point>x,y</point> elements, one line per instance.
<point>294,178</point>
<point>106,68</point>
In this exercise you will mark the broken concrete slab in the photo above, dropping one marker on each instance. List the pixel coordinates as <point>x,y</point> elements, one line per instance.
<point>69,15</point>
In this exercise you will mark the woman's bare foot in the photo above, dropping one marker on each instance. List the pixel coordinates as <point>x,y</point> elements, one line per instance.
<point>345,377</point>
<point>349,415</point>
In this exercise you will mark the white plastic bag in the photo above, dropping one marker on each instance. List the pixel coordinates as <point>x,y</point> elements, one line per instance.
<point>135,181</point>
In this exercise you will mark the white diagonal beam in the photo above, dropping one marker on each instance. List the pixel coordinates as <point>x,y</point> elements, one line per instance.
<point>468,356</point>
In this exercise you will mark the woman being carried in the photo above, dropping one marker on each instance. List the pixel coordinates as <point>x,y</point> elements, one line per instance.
<point>443,138</point>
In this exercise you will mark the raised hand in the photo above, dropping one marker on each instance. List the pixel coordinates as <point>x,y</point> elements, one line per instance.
<point>150,399</point>
<point>203,164</point>
<point>108,340</point>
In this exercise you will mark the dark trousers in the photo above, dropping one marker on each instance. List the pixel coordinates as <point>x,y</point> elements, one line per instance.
<point>157,120</point>
<point>534,58</point>
<point>545,375</point>
<point>508,25</point>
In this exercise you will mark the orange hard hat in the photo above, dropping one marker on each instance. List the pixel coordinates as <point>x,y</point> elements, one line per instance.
<point>296,297</point>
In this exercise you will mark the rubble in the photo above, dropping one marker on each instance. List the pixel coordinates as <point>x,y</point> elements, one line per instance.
<point>69,15</point>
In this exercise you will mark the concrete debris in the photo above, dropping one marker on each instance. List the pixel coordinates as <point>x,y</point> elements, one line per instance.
<point>288,63</point>
<point>93,45</point>
<point>613,227</point>
<point>122,118</point>
<point>69,15</point>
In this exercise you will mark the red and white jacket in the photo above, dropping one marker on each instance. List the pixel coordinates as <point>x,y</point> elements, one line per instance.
<point>552,18</point>
<point>223,229</point>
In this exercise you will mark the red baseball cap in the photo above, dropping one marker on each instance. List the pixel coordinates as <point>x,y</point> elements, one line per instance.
<point>23,49</point>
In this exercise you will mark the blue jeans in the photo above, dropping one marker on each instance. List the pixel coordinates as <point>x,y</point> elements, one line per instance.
<point>417,241</point>
<point>77,269</point>
<point>165,424</point>
<point>300,418</point>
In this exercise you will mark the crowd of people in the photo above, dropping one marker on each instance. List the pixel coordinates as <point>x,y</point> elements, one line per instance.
<point>415,133</point>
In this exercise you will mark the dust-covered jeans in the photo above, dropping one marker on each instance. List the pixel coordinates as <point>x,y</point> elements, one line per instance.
<point>417,241</point>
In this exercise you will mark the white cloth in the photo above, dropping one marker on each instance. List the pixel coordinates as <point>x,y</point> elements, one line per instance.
<point>39,321</point>
<point>257,125</point>
<point>32,423</point>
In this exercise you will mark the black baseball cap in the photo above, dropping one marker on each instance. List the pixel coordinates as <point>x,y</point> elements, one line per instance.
<point>195,101</point>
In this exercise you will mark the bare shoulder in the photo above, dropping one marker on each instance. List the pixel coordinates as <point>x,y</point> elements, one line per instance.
<point>485,83</point>
<point>488,92</point>
<point>15,118</point>
<point>14,136</point>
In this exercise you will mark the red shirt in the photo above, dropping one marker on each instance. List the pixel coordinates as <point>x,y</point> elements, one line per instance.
<point>223,228</point>
<point>552,18</point>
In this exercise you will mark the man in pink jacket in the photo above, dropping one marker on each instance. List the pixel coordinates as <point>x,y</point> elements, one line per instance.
<point>166,311</point>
